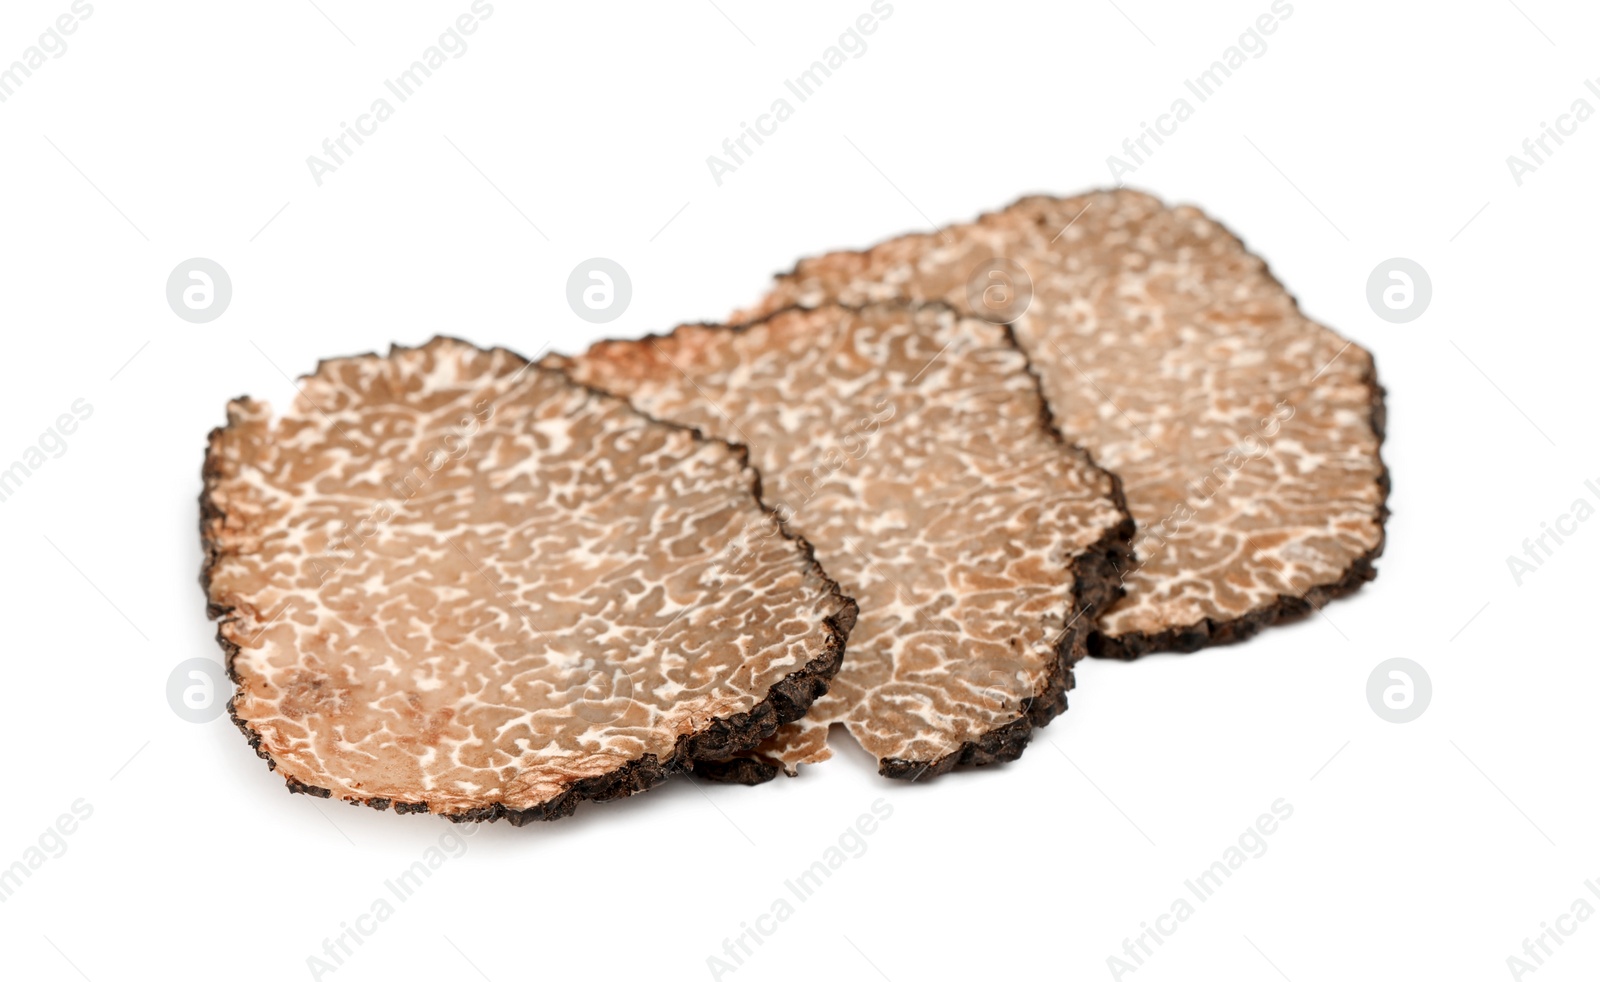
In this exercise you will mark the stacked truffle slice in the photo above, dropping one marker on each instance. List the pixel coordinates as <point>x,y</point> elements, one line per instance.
<point>451,581</point>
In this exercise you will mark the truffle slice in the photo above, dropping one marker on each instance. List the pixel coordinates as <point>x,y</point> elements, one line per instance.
<point>1247,436</point>
<point>911,446</point>
<point>453,582</point>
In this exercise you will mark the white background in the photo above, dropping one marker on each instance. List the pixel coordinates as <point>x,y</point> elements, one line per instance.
<point>1367,130</point>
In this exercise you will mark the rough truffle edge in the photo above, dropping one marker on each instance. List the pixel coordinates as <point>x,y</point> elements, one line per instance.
<point>720,739</point>
<point>1095,574</point>
<point>1208,632</point>
<point>1287,608</point>
<point>1096,584</point>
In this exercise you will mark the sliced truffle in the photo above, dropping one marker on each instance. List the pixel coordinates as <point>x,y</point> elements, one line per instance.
<point>450,581</point>
<point>911,446</point>
<point>1246,435</point>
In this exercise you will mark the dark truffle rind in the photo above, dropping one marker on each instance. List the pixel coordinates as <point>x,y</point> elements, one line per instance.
<point>740,770</point>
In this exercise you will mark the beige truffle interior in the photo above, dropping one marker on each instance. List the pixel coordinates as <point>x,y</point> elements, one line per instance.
<point>908,446</point>
<point>459,580</point>
<point>1245,434</point>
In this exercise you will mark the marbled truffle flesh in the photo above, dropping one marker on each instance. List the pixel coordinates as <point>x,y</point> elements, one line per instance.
<point>1246,436</point>
<point>911,447</point>
<point>450,581</point>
